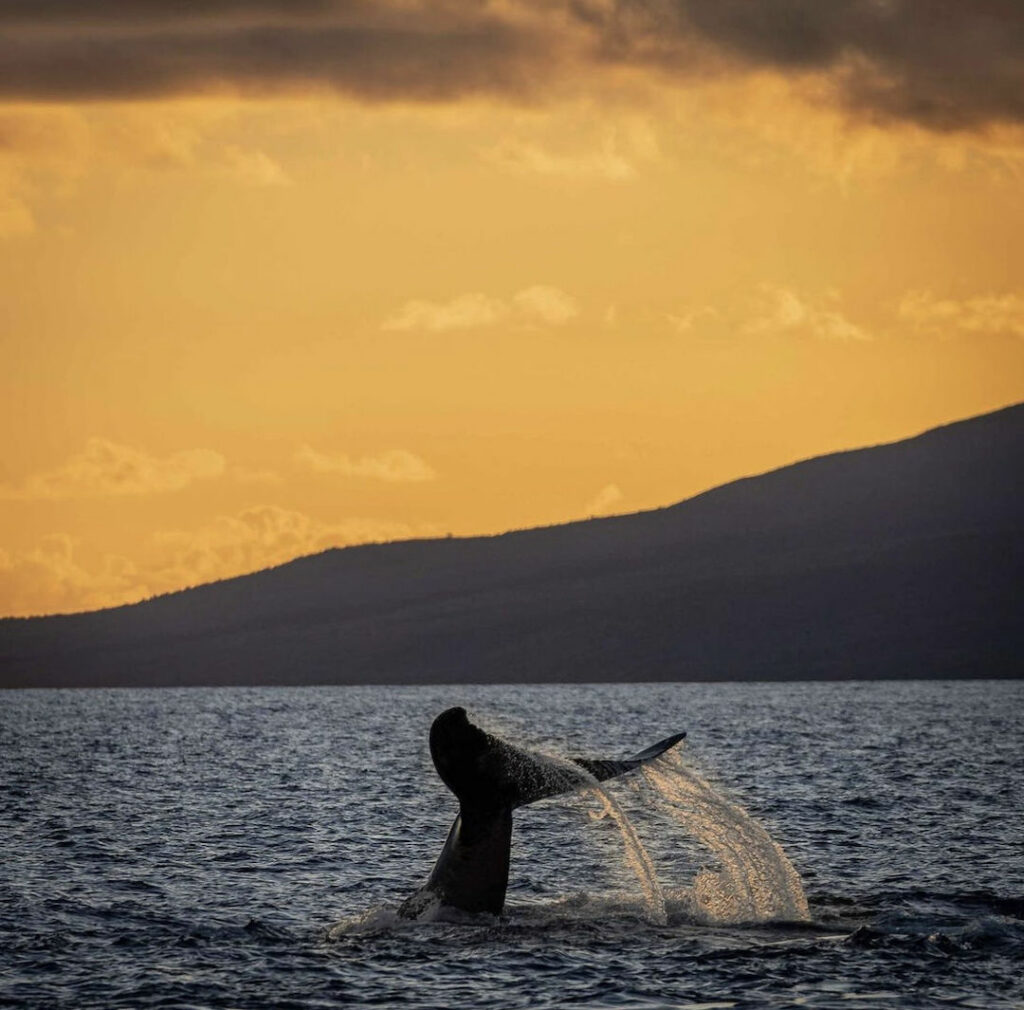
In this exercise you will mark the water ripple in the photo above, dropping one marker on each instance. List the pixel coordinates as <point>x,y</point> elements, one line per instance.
<point>194,848</point>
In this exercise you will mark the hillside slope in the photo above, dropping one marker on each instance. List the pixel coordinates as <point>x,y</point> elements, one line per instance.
<point>901,560</point>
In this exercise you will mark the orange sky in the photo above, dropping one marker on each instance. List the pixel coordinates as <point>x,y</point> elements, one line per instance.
<point>491,277</point>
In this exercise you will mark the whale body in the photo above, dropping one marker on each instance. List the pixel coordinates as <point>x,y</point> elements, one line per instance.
<point>491,778</point>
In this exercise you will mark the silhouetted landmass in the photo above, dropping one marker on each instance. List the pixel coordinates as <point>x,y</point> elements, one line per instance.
<point>898,561</point>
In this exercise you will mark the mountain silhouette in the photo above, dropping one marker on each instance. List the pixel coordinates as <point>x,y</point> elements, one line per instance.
<point>896,561</point>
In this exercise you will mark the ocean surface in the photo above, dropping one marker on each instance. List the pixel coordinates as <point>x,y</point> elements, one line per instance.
<point>249,847</point>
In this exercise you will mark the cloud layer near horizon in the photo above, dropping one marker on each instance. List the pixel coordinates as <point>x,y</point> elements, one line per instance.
<point>104,468</point>
<point>935,63</point>
<point>51,578</point>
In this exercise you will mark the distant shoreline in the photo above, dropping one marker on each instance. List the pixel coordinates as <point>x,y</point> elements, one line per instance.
<point>524,683</point>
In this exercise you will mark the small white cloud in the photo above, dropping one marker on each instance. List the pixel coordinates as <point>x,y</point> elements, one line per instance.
<point>782,310</point>
<point>831,325</point>
<point>540,304</point>
<point>544,304</point>
<point>460,313</point>
<point>395,465</point>
<point>253,167</point>
<point>689,319</point>
<point>982,314</point>
<point>105,468</point>
<point>604,501</point>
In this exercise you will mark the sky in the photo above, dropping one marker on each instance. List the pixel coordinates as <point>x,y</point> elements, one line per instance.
<point>284,275</point>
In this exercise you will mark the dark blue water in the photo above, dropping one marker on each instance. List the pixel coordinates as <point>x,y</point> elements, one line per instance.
<point>194,848</point>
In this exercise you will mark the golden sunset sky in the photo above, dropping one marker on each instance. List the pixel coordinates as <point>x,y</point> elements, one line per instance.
<point>279,276</point>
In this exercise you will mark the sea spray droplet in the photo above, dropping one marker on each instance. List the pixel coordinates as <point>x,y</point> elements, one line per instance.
<point>756,881</point>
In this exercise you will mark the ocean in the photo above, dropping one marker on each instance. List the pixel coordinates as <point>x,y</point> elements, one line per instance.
<point>810,844</point>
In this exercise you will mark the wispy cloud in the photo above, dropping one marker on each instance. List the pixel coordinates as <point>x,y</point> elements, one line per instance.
<point>783,310</point>
<point>780,310</point>
<point>16,217</point>
<point>51,578</point>
<point>772,310</point>
<point>539,305</point>
<point>527,157</point>
<point>395,465</point>
<point>686,320</point>
<point>105,468</point>
<point>48,150</point>
<point>38,148</point>
<point>981,314</point>
<point>545,305</point>
<point>260,537</point>
<point>604,501</point>
<point>252,166</point>
<point>460,313</point>
<point>48,578</point>
<point>248,475</point>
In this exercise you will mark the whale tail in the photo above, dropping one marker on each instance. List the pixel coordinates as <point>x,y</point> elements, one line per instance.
<point>491,778</point>
<point>483,770</point>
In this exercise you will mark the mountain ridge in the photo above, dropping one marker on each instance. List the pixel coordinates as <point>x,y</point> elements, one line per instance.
<point>929,526</point>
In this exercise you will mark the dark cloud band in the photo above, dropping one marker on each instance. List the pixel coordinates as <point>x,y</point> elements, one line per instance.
<point>367,62</point>
<point>943,64</point>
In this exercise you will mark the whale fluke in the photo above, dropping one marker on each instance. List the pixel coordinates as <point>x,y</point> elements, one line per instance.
<point>491,778</point>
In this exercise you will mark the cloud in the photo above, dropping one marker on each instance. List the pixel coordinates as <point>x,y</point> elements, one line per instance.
<point>461,313</point>
<point>48,150</point>
<point>938,64</point>
<point>782,310</point>
<point>684,322</point>
<point>539,305</point>
<point>245,475</point>
<point>50,578</point>
<point>257,538</point>
<point>543,304</point>
<point>604,501</point>
<point>16,217</point>
<point>526,157</point>
<point>771,310</point>
<point>105,468</point>
<point>39,150</point>
<point>982,314</point>
<point>113,49</point>
<point>253,167</point>
<point>591,138</point>
<point>395,465</point>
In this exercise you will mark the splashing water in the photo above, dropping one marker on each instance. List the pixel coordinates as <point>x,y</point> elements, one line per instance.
<point>756,881</point>
<point>570,775</point>
<point>636,855</point>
